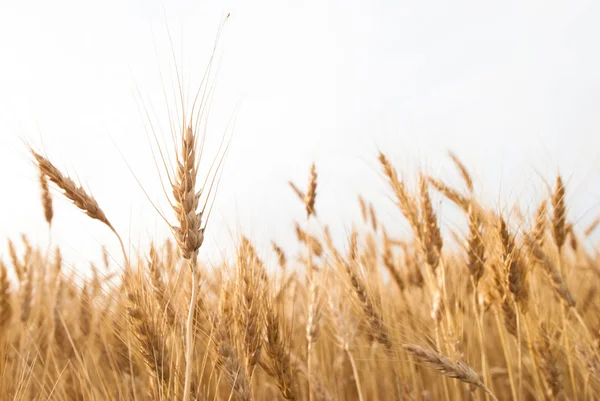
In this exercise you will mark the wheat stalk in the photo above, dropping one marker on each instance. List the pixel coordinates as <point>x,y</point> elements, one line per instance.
<point>189,232</point>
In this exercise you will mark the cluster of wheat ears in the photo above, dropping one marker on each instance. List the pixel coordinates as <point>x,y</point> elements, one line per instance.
<point>513,315</point>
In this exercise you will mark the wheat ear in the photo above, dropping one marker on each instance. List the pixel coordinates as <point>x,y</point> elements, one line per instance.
<point>590,229</point>
<point>278,350</point>
<point>310,196</point>
<point>464,173</point>
<point>558,282</point>
<point>5,302</point>
<point>83,200</point>
<point>560,213</point>
<point>189,234</point>
<point>432,242</point>
<point>446,367</point>
<point>46,198</point>
<point>150,340</point>
<point>406,202</point>
<point>249,298</point>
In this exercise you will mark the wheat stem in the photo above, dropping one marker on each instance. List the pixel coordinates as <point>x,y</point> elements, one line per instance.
<point>189,333</point>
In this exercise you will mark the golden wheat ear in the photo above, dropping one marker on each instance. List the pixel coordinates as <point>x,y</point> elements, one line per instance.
<point>46,198</point>
<point>188,233</point>
<point>191,223</point>
<point>308,197</point>
<point>84,201</point>
<point>6,311</point>
<point>464,173</point>
<point>76,194</point>
<point>444,366</point>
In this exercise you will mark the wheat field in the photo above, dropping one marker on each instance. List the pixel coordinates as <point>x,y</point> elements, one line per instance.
<point>510,314</point>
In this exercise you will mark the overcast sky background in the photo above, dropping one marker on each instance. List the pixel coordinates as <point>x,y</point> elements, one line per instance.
<point>511,87</point>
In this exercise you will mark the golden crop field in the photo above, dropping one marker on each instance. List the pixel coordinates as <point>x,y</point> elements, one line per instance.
<point>510,314</point>
<point>499,302</point>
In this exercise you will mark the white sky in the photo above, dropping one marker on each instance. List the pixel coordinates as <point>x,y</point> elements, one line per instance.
<point>512,87</point>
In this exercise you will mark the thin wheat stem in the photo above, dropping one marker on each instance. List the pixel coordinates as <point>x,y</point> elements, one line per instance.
<point>189,333</point>
<point>511,378</point>
<point>355,373</point>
